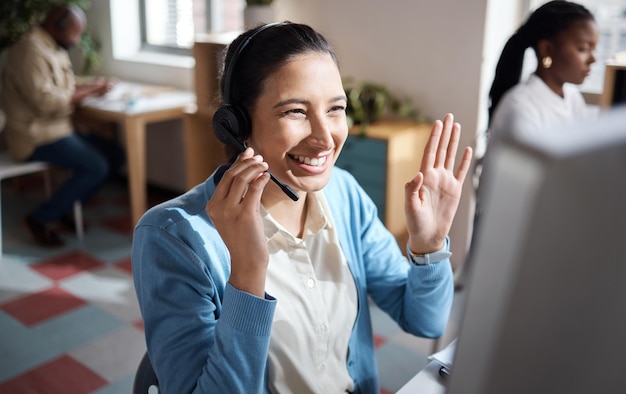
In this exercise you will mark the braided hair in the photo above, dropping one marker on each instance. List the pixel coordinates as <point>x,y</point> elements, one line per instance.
<point>544,23</point>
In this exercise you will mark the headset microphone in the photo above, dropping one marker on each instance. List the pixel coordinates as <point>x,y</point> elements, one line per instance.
<point>229,120</point>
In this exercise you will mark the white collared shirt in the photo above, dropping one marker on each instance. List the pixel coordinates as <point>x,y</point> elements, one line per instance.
<point>532,106</point>
<point>316,308</point>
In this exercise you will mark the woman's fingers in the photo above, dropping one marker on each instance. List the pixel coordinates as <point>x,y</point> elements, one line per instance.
<point>442,147</point>
<point>453,145</point>
<point>464,167</point>
<point>240,177</point>
<point>255,189</point>
<point>444,140</point>
<point>430,150</point>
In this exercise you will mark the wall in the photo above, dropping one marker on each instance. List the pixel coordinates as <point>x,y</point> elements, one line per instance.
<point>432,52</point>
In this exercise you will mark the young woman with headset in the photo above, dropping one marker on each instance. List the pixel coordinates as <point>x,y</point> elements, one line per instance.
<point>255,282</point>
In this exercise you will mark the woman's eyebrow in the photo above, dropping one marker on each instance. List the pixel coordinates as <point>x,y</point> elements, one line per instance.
<point>291,101</point>
<point>342,97</point>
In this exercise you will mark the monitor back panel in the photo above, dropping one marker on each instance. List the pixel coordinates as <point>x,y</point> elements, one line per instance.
<point>546,304</point>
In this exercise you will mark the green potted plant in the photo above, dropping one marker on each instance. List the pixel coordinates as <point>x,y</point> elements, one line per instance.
<point>369,102</point>
<point>17,16</point>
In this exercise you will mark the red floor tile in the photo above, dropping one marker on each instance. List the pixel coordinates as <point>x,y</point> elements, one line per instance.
<point>61,267</point>
<point>60,376</point>
<point>38,307</point>
<point>139,324</point>
<point>125,265</point>
<point>378,340</point>
<point>122,201</point>
<point>120,224</point>
<point>94,202</point>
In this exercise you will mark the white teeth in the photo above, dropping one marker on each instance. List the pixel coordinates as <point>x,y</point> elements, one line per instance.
<point>315,161</point>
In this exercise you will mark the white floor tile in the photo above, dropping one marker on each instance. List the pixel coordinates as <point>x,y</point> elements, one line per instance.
<point>16,279</point>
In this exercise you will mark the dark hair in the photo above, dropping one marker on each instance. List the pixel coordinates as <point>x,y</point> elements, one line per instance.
<point>267,52</point>
<point>59,16</point>
<point>544,23</point>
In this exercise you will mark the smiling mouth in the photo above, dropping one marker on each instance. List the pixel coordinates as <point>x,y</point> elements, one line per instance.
<point>310,161</point>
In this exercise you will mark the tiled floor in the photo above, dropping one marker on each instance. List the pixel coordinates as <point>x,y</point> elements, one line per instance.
<point>69,319</point>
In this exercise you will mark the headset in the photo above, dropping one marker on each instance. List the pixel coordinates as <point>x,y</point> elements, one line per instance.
<point>231,121</point>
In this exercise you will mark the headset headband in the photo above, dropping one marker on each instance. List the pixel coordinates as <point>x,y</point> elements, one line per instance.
<point>237,54</point>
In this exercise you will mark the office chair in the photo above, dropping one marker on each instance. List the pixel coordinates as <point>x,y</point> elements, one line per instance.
<point>10,168</point>
<point>145,378</point>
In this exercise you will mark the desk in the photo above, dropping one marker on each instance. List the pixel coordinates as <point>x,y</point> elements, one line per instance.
<point>134,106</point>
<point>427,381</point>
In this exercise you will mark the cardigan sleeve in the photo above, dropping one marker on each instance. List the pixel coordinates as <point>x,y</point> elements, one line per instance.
<point>203,335</point>
<point>418,298</point>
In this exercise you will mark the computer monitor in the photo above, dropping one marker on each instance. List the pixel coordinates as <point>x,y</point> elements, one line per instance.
<point>545,308</point>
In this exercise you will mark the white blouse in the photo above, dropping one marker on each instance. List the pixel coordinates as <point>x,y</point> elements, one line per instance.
<point>532,106</point>
<point>316,305</point>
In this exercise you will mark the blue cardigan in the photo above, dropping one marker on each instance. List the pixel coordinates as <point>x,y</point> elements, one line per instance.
<point>203,335</point>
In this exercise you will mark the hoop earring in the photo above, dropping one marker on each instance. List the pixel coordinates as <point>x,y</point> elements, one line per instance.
<point>546,62</point>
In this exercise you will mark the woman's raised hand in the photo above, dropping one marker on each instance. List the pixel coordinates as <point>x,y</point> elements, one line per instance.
<point>432,197</point>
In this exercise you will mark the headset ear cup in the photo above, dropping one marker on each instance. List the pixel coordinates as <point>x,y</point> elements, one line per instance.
<point>224,122</point>
<point>230,124</point>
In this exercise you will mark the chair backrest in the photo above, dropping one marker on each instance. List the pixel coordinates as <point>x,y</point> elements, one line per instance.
<point>145,379</point>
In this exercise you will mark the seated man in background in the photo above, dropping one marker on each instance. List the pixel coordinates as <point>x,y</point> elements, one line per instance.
<point>38,95</point>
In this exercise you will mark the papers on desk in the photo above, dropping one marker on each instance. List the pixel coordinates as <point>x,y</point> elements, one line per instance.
<point>133,98</point>
<point>445,357</point>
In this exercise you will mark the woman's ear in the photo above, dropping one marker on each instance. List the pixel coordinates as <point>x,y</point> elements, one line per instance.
<point>544,48</point>
<point>544,54</point>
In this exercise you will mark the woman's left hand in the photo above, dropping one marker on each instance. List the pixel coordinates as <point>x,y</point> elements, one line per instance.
<point>432,197</point>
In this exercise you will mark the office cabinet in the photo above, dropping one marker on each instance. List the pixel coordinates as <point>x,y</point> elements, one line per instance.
<point>383,160</point>
<point>203,152</point>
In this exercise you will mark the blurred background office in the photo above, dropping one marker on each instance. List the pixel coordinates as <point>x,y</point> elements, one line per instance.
<point>441,55</point>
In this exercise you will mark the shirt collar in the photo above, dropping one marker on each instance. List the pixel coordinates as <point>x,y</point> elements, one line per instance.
<point>316,218</point>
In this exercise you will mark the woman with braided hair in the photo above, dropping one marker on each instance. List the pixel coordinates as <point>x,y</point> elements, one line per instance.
<point>563,36</point>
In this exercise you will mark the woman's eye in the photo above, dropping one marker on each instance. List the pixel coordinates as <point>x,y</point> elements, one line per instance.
<point>338,108</point>
<point>294,112</point>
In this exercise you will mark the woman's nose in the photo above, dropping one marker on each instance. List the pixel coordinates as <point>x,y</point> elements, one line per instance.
<point>321,132</point>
